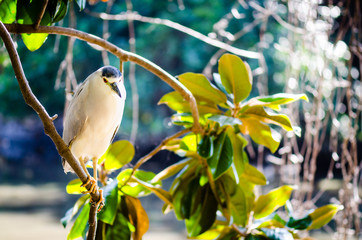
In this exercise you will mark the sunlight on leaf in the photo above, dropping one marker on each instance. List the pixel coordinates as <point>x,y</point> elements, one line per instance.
<point>74,187</point>
<point>323,215</point>
<point>117,155</point>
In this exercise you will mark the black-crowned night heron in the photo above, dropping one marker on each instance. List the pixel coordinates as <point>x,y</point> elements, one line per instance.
<point>93,118</point>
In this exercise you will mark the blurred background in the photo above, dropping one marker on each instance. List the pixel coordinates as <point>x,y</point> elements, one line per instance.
<point>311,47</point>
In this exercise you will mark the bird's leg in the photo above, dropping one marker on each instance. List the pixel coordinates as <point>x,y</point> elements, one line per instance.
<point>90,180</point>
<point>100,202</point>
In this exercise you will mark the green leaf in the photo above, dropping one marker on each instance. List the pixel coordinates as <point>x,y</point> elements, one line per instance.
<point>274,101</point>
<point>8,11</point>
<point>206,147</point>
<point>137,216</point>
<point>80,224</point>
<point>61,10</point>
<point>299,224</point>
<point>120,228</point>
<point>236,200</point>
<point>240,156</point>
<point>110,193</point>
<point>27,12</point>
<point>256,237</point>
<point>133,188</point>
<point>225,120</point>
<point>253,175</point>
<point>235,77</point>
<point>175,101</point>
<point>201,88</point>
<point>258,113</point>
<point>189,142</point>
<point>321,216</point>
<point>159,192</point>
<point>205,214</point>
<point>277,234</point>
<point>117,155</point>
<point>267,204</point>
<point>74,187</point>
<point>271,223</point>
<point>81,4</point>
<point>261,133</point>
<point>223,155</point>
<point>171,170</point>
<point>74,210</point>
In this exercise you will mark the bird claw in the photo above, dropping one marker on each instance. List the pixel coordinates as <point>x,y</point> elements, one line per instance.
<point>100,202</point>
<point>93,189</point>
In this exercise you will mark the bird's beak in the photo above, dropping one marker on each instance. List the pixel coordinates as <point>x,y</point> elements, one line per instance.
<point>115,88</point>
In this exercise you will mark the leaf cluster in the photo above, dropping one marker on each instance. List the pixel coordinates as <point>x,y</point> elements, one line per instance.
<point>213,186</point>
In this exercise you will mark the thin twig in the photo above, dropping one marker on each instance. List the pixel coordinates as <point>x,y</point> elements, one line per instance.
<point>33,102</point>
<point>122,55</point>
<point>40,17</point>
<point>213,42</point>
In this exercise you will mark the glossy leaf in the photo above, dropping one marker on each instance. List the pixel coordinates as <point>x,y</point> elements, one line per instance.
<point>268,203</point>
<point>201,88</point>
<point>274,101</point>
<point>271,223</point>
<point>253,175</point>
<point>261,133</point>
<point>110,193</point>
<point>299,224</point>
<point>120,228</point>
<point>258,113</point>
<point>81,4</point>
<point>235,77</point>
<point>137,216</point>
<point>171,170</point>
<point>223,155</point>
<point>225,120</point>
<point>61,10</point>
<point>80,224</point>
<point>74,187</point>
<point>74,210</point>
<point>132,188</point>
<point>240,156</point>
<point>323,215</point>
<point>117,155</point>
<point>7,11</point>
<point>255,237</point>
<point>159,192</point>
<point>206,146</point>
<point>189,142</point>
<point>277,234</point>
<point>175,101</point>
<point>205,214</point>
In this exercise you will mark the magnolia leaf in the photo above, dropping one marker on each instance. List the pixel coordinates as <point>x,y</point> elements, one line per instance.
<point>159,192</point>
<point>171,170</point>
<point>321,216</point>
<point>120,228</point>
<point>74,187</point>
<point>258,113</point>
<point>74,210</point>
<point>222,158</point>
<point>235,77</point>
<point>240,156</point>
<point>299,224</point>
<point>268,203</point>
<point>278,234</point>
<point>225,120</point>
<point>206,146</point>
<point>274,101</point>
<point>137,216</point>
<point>7,11</point>
<point>175,101</point>
<point>117,155</point>
<point>110,193</point>
<point>271,223</point>
<point>261,133</point>
<point>133,188</point>
<point>201,88</point>
<point>80,224</point>
<point>253,175</point>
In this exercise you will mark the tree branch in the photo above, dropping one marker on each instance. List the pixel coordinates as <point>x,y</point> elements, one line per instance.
<point>47,121</point>
<point>38,20</point>
<point>165,22</point>
<point>121,54</point>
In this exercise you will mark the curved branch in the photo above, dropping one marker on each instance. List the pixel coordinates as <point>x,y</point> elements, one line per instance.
<point>165,22</point>
<point>121,54</point>
<point>47,121</point>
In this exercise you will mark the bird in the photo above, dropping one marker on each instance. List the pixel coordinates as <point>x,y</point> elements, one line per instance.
<point>92,119</point>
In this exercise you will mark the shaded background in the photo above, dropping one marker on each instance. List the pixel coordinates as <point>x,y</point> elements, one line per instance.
<point>32,181</point>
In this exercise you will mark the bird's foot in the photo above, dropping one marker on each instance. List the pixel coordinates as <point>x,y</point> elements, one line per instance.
<point>94,187</point>
<point>100,202</point>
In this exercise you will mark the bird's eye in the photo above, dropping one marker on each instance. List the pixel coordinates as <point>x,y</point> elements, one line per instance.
<point>105,80</point>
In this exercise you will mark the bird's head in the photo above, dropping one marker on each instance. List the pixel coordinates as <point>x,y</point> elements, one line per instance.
<point>112,77</point>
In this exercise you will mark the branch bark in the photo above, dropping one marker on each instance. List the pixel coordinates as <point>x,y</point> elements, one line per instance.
<point>47,121</point>
<point>121,54</point>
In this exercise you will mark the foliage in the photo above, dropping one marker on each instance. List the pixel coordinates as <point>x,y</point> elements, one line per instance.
<point>215,175</point>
